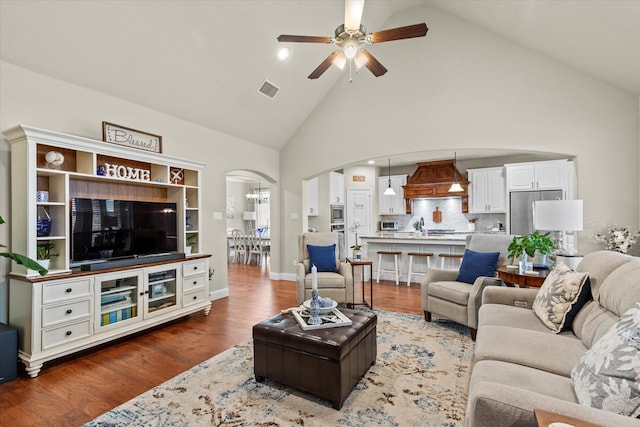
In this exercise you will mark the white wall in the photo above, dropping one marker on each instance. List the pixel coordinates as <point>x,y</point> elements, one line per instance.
<point>462,87</point>
<point>36,100</point>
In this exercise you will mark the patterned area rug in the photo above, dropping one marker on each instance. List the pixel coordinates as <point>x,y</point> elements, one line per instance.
<point>420,377</point>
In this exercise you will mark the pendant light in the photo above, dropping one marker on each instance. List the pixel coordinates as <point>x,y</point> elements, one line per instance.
<point>455,187</point>
<point>389,191</point>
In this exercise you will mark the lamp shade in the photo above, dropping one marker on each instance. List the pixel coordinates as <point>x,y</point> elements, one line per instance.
<point>558,215</point>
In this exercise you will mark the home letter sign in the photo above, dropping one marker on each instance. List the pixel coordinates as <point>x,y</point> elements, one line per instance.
<point>126,172</point>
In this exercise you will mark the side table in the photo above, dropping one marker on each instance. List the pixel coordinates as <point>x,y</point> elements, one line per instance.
<point>546,418</point>
<point>362,262</point>
<point>511,277</point>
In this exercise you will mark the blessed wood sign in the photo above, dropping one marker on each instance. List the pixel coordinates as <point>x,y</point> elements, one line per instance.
<point>121,135</point>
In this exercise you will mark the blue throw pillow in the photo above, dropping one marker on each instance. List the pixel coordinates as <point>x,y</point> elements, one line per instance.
<point>323,257</point>
<point>476,264</point>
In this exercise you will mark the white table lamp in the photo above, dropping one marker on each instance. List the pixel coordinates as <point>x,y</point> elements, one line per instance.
<point>558,216</point>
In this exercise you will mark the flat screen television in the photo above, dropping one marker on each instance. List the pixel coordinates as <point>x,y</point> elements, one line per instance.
<point>102,230</point>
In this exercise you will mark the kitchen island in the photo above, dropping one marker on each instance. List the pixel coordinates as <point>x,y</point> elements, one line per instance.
<point>405,242</point>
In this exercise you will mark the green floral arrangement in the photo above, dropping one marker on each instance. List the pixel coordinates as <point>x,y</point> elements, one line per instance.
<point>617,238</point>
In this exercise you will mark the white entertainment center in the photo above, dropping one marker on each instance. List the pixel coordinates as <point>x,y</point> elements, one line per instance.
<point>71,309</point>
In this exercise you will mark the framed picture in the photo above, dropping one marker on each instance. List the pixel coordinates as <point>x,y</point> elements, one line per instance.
<point>133,138</point>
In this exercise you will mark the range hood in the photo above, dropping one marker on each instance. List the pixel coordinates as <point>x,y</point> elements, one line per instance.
<point>433,179</point>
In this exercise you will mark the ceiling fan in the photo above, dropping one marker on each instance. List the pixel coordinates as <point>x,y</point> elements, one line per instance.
<point>351,36</point>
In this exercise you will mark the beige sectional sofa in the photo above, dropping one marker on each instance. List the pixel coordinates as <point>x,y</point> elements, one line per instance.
<point>520,364</point>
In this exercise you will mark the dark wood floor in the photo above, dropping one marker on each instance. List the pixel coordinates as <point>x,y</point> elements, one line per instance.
<point>77,389</point>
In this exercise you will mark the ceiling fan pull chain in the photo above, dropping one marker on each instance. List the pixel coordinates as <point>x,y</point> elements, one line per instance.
<point>350,76</point>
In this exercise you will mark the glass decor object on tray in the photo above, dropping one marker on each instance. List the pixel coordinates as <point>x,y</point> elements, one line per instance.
<point>43,222</point>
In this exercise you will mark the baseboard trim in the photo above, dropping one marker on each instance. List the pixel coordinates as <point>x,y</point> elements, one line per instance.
<point>282,276</point>
<point>219,294</point>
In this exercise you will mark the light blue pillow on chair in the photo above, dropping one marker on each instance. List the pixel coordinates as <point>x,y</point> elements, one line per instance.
<point>476,264</point>
<point>323,257</point>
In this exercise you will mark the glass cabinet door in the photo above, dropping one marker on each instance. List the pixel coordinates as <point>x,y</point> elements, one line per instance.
<point>118,299</point>
<point>161,290</point>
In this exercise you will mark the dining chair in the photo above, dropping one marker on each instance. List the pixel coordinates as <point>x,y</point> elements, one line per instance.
<point>254,247</point>
<point>239,245</point>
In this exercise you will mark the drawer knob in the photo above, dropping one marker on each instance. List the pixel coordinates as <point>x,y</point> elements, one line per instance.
<point>195,282</point>
<point>195,297</point>
<point>195,267</point>
<point>68,333</point>
<point>69,311</point>
<point>68,290</point>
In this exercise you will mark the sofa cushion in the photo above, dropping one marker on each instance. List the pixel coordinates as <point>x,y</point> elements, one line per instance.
<point>509,315</point>
<point>543,350</point>
<point>323,257</point>
<point>606,376</point>
<point>457,292</point>
<point>477,264</point>
<point>562,290</point>
<point>620,290</point>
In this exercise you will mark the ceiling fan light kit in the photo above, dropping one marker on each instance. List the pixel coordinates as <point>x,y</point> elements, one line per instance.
<point>351,36</point>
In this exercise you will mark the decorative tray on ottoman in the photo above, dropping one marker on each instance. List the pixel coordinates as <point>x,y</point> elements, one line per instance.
<point>333,319</point>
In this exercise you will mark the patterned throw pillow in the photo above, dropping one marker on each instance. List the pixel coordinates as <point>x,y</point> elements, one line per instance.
<point>607,376</point>
<point>562,290</point>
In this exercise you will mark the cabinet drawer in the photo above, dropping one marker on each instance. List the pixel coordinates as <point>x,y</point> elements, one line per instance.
<point>52,315</point>
<point>65,334</point>
<point>193,268</point>
<point>193,282</point>
<point>65,290</point>
<point>194,297</point>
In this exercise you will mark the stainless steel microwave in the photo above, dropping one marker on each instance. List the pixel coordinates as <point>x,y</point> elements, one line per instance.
<point>337,214</point>
<point>389,226</point>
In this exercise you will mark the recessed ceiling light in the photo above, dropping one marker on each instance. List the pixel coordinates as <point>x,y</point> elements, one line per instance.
<point>371,162</point>
<point>283,53</point>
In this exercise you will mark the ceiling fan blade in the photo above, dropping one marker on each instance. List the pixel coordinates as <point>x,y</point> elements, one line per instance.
<point>353,14</point>
<point>408,32</point>
<point>324,65</point>
<point>304,39</point>
<point>373,64</point>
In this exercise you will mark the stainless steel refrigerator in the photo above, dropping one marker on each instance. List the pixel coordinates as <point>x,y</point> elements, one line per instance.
<point>521,213</point>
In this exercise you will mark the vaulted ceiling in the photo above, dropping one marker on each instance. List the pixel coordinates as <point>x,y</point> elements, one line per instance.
<point>203,61</point>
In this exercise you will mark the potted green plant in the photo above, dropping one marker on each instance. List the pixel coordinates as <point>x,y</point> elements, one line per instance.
<point>22,259</point>
<point>44,253</point>
<point>528,245</point>
<point>191,240</point>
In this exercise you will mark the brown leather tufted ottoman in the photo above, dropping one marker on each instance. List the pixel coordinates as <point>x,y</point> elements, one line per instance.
<point>325,362</point>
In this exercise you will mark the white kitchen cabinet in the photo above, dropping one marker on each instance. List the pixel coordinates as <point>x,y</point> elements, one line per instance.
<point>312,197</point>
<point>547,175</point>
<point>487,190</point>
<point>391,205</point>
<point>336,188</point>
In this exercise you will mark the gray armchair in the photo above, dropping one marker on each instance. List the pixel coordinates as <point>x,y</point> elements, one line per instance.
<point>443,296</point>
<point>337,286</point>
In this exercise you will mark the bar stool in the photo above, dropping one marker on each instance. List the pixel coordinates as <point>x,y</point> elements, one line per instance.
<point>417,254</point>
<point>443,257</point>
<point>395,258</point>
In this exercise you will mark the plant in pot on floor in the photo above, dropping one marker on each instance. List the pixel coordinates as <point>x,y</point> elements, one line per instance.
<point>21,259</point>
<point>529,245</point>
<point>44,253</point>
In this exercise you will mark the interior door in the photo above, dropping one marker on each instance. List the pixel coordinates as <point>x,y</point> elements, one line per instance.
<point>358,213</point>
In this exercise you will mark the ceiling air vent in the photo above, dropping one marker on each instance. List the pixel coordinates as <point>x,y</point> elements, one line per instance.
<point>268,89</point>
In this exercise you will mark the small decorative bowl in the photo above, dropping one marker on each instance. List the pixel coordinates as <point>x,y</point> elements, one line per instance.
<point>323,310</point>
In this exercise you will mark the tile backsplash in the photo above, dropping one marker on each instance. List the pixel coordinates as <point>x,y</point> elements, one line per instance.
<point>452,217</point>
